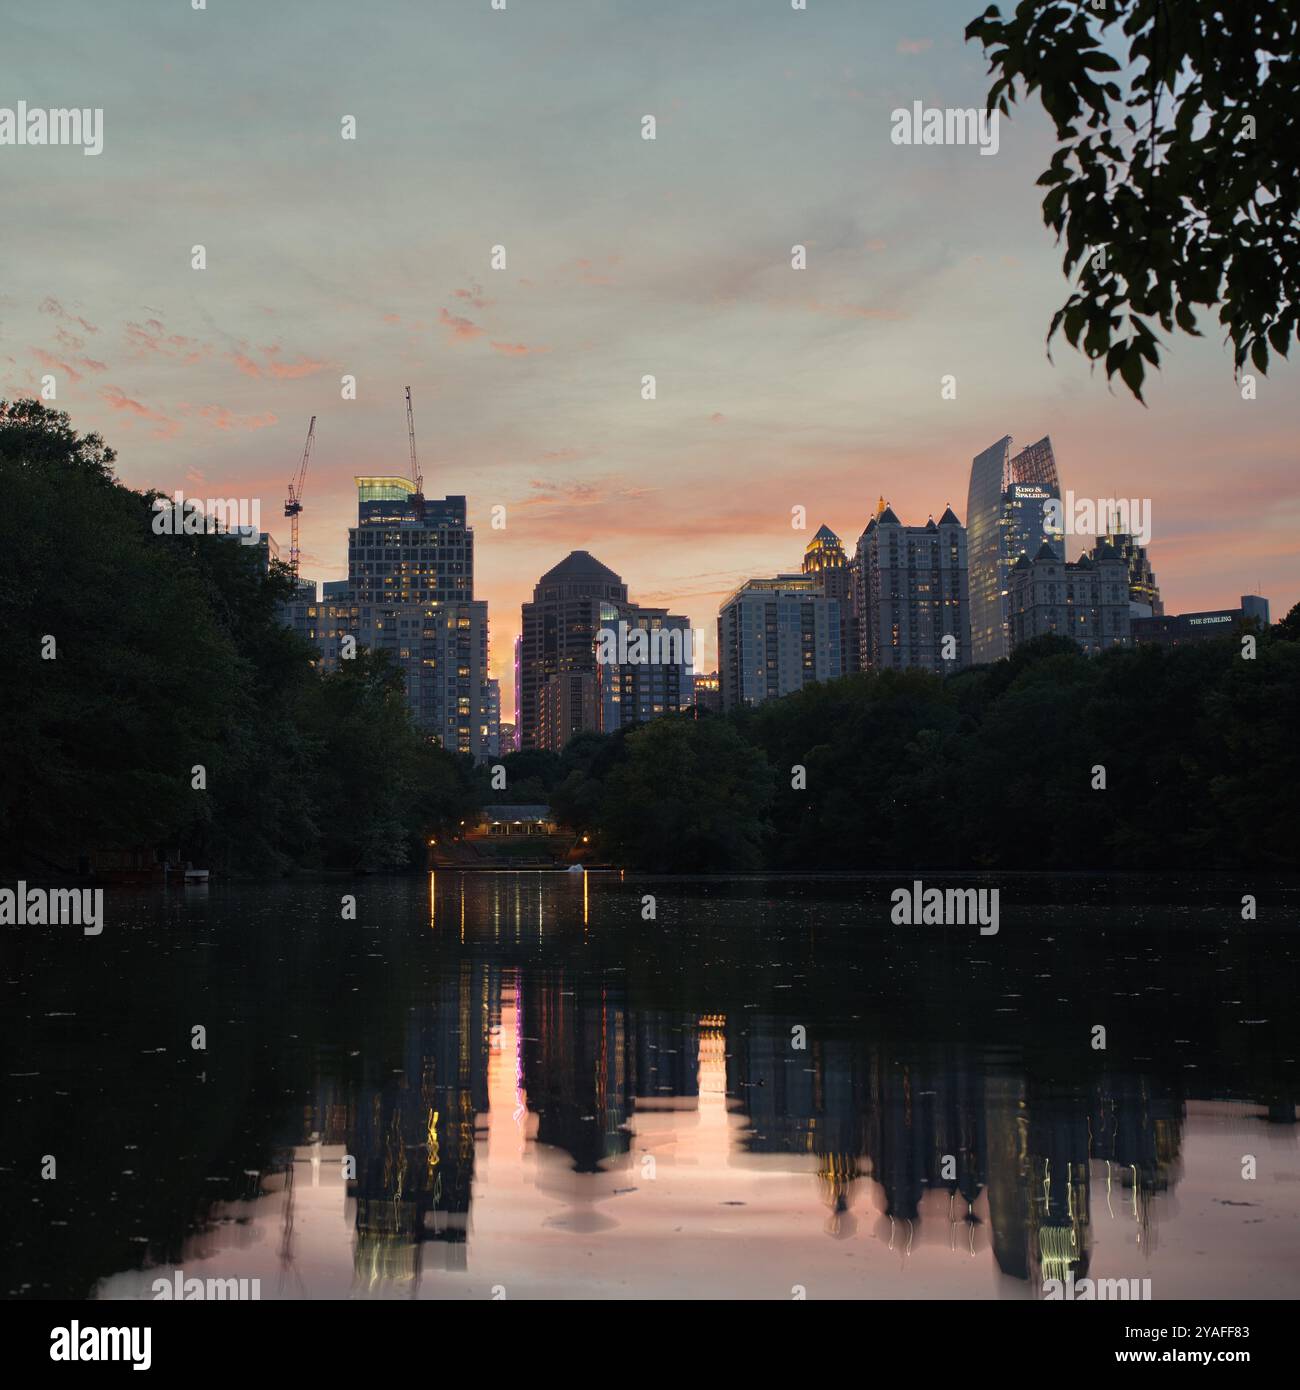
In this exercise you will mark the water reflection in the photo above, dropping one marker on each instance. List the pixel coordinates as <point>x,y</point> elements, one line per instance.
<point>516,1083</point>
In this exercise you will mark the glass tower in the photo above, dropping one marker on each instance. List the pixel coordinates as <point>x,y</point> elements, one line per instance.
<point>1004,520</point>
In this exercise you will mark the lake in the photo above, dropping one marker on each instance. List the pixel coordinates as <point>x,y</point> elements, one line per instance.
<point>519,1085</point>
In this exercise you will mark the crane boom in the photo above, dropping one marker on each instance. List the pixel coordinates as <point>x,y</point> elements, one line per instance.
<point>416,476</point>
<point>293,503</point>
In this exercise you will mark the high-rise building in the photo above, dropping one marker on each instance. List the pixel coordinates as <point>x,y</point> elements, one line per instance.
<point>1005,519</point>
<point>406,548</point>
<point>1085,599</point>
<point>774,637</point>
<point>570,603</point>
<point>651,671</point>
<point>490,721</point>
<point>912,593</point>
<point>708,692</point>
<point>410,592</point>
<point>567,705</point>
<point>825,558</point>
<point>1143,591</point>
<point>442,649</point>
<point>519,697</point>
<point>1175,629</point>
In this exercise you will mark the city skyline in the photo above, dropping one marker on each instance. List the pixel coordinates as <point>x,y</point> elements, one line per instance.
<point>775,387</point>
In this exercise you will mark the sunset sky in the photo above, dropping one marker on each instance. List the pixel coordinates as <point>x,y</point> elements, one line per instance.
<point>476,127</point>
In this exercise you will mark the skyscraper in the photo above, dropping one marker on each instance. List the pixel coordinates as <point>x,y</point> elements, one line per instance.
<point>406,548</point>
<point>652,672</point>
<point>1004,520</point>
<point>1143,591</point>
<point>826,559</point>
<point>410,592</point>
<point>912,593</point>
<point>570,602</point>
<point>1086,599</point>
<point>774,637</point>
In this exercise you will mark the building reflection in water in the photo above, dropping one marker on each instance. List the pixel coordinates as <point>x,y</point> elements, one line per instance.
<point>908,1141</point>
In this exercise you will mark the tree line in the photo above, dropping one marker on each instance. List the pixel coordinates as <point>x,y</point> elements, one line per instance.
<point>133,659</point>
<point>1150,757</point>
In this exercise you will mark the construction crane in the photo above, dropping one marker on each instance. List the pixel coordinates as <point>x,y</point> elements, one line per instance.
<point>293,503</point>
<point>416,476</point>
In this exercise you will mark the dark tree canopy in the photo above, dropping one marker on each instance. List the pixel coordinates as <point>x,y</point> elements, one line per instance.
<point>1174,184</point>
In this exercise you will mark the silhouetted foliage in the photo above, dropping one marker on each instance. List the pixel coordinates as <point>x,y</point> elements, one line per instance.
<point>1176,179</point>
<point>169,654</point>
<point>991,768</point>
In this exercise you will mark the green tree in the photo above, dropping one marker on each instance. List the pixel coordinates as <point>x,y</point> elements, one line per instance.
<point>691,796</point>
<point>1175,181</point>
<point>118,678</point>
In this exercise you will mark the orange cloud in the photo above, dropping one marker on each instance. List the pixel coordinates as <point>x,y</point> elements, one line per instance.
<point>517,349</point>
<point>223,418</point>
<point>291,371</point>
<point>475,296</point>
<point>50,305</point>
<point>462,330</point>
<point>282,371</point>
<point>117,399</point>
<point>54,364</point>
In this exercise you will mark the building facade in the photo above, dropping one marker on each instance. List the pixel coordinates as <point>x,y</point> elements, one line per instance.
<point>708,692</point>
<point>582,623</point>
<point>567,705</point>
<point>774,637</point>
<point>569,604</point>
<point>406,548</point>
<point>1174,629</point>
<point>1143,591</point>
<point>1005,519</point>
<point>409,592</point>
<point>652,672</point>
<point>1085,599</point>
<point>825,558</point>
<point>912,594</point>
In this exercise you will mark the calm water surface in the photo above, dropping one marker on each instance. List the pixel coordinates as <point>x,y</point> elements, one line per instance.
<point>546,1095</point>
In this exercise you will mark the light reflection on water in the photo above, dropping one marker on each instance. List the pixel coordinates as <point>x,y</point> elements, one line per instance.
<point>545,1095</point>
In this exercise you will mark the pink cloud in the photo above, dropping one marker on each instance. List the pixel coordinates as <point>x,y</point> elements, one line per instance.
<point>518,349</point>
<point>151,338</point>
<point>273,367</point>
<point>50,305</point>
<point>223,418</point>
<point>914,45</point>
<point>54,364</point>
<point>462,330</point>
<point>474,295</point>
<point>291,371</point>
<point>117,399</point>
